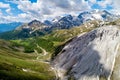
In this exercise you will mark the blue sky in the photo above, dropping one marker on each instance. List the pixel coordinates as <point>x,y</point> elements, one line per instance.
<point>27,10</point>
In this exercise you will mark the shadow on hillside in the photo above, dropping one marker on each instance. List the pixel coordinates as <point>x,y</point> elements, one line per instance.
<point>88,65</point>
<point>59,48</point>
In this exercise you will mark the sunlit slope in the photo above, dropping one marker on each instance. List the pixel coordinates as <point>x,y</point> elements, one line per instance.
<point>16,65</point>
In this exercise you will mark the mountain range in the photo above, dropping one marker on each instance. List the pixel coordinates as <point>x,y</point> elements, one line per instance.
<point>38,28</point>
<point>65,22</point>
<point>69,21</point>
<point>83,47</point>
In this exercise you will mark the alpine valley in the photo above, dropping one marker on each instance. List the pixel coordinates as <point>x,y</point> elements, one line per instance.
<point>82,47</point>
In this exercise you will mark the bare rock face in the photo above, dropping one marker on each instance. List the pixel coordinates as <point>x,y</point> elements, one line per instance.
<point>91,56</point>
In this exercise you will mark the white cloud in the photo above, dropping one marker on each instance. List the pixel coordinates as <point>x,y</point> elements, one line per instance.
<point>8,10</point>
<point>93,1</point>
<point>1,13</point>
<point>116,6</point>
<point>44,9</point>
<point>5,6</point>
<point>2,5</point>
<point>25,17</point>
<point>30,8</point>
<point>105,3</point>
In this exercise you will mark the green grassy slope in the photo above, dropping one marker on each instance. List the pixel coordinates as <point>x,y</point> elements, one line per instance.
<point>15,65</point>
<point>20,34</point>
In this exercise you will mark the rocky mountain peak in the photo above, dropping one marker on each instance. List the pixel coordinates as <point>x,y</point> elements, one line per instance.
<point>35,22</point>
<point>69,21</point>
<point>47,22</point>
<point>68,17</point>
<point>90,56</point>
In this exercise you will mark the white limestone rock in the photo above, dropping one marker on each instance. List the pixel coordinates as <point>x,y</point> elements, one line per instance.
<point>91,56</point>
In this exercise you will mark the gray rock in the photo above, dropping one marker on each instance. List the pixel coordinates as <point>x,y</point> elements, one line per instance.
<point>91,56</point>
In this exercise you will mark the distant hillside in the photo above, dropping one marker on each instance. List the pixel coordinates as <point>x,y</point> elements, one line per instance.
<point>4,27</point>
<point>31,29</point>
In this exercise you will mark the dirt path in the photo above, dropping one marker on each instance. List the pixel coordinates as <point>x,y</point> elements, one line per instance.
<point>44,52</point>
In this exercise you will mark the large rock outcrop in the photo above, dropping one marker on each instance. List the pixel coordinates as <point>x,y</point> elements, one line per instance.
<point>91,56</point>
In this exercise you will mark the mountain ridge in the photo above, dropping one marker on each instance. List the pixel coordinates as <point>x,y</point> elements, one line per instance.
<point>69,21</point>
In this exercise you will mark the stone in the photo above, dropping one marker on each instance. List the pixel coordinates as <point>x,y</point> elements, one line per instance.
<point>91,56</point>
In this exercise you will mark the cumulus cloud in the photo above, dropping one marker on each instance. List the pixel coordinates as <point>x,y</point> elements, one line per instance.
<point>105,3</point>
<point>44,9</point>
<point>102,3</point>
<point>116,6</point>
<point>30,8</point>
<point>23,17</point>
<point>48,9</point>
<point>8,10</point>
<point>1,13</point>
<point>93,1</point>
<point>2,5</point>
<point>5,6</point>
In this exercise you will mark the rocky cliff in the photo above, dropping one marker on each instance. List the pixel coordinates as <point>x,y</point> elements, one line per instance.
<point>91,56</point>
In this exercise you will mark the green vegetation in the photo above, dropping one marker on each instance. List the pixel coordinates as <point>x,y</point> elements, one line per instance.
<point>54,42</point>
<point>23,57</point>
<point>116,22</point>
<point>14,68</point>
<point>32,43</point>
<point>15,65</point>
<point>66,34</point>
<point>20,34</point>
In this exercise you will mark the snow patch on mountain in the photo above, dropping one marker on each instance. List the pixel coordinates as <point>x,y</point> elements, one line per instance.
<point>69,21</point>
